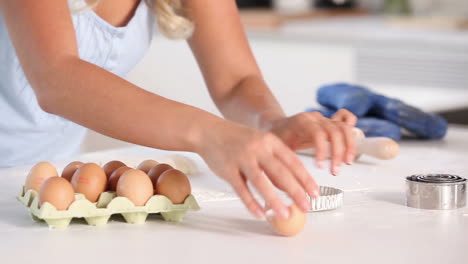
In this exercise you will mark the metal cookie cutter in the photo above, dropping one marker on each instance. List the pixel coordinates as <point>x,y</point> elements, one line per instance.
<point>329,199</point>
<point>436,191</point>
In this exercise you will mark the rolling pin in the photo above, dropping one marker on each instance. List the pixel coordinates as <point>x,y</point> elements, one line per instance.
<point>377,147</point>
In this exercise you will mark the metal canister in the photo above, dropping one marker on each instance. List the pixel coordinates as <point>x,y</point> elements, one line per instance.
<point>436,191</point>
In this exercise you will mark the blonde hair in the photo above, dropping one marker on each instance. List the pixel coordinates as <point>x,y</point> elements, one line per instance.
<point>171,21</point>
<point>169,17</point>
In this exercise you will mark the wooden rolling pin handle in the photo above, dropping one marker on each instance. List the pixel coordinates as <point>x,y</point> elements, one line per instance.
<point>378,147</point>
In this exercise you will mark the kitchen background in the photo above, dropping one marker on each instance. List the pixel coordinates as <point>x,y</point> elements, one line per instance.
<point>414,50</point>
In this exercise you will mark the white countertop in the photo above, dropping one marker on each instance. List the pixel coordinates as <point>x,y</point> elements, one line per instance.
<point>374,225</point>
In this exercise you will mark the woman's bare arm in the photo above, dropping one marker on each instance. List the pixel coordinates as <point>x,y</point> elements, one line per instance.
<point>231,73</point>
<point>43,35</point>
<point>45,42</point>
<point>238,89</point>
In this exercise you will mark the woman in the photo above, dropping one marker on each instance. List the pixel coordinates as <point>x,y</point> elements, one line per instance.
<point>61,72</point>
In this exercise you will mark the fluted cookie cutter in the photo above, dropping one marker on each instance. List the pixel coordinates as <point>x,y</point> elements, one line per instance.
<point>436,191</point>
<point>330,198</point>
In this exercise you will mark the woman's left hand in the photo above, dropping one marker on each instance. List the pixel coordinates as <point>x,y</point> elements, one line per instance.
<point>313,130</point>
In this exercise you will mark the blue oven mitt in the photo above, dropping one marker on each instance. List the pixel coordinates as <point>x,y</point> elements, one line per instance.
<point>363,102</point>
<point>419,123</point>
<point>355,98</point>
<point>375,127</point>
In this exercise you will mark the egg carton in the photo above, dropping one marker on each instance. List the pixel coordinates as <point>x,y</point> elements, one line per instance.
<point>108,204</point>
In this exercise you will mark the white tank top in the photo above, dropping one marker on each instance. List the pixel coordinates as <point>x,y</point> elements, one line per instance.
<point>28,134</point>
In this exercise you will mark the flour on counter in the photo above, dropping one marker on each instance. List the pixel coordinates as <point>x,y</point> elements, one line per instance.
<point>213,196</point>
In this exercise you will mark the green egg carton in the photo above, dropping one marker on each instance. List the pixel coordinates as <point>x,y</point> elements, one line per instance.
<point>26,198</point>
<point>108,204</point>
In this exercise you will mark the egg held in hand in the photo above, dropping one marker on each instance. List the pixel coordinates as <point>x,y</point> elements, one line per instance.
<point>38,174</point>
<point>136,186</point>
<point>90,180</point>
<point>291,226</point>
<point>111,166</point>
<point>58,192</point>
<point>114,178</point>
<point>175,185</point>
<point>70,169</point>
<point>147,165</point>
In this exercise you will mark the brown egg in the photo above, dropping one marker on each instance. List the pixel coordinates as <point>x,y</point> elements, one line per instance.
<point>291,226</point>
<point>58,192</point>
<point>38,174</point>
<point>136,186</point>
<point>70,169</point>
<point>157,170</point>
<point>114,178</point>
<point>111,166</point>
<point>89,180</point>
<point>175,185</point>
<point>147,165</point>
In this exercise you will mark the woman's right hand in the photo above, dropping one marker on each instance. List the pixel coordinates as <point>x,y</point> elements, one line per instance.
<point>239,155</point>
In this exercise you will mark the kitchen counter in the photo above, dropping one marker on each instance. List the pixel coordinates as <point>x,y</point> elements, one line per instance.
<point>373,226</point>
<point>423,66</point>
<point>362,29</point>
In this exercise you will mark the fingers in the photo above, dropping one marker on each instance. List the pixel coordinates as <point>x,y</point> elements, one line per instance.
<point>309,123</point>
<point>342,140</point>
<point>319,136</point>
<point>240,187</point>
<point>337,131</point>
<point>261,183</point>
<point>283,178</point>
<point>350,142</point>
<point>292,162</point>
<point>349,120</point>
<point>343,115</point>
<point>337,145</point>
